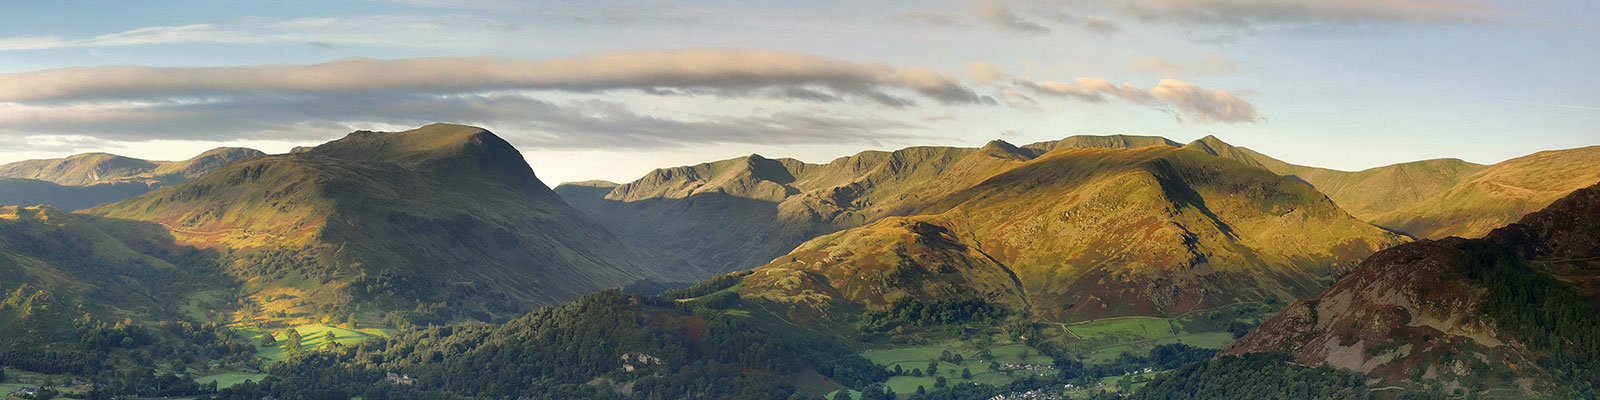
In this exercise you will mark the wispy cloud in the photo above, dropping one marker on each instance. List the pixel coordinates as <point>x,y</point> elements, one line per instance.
<point>998,14</point>
<point>197,33</point>
<point>1255,12</point>
<point>1211,65</point>
<point>1551,105</point>
<point>1186,101</point>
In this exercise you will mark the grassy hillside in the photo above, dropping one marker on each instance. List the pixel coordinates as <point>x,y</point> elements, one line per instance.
<point>1090,233</point>
<point>1513,311</point>
<point>444,222</point>
<point>1442,197</point>
<point>1498,194</point>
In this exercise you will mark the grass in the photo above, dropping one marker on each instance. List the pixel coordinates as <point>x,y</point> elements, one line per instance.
<point>1123,328</point>
<point>1210,340</point>
<point>313,337</point>
<point>918,357</point>
<point>228,379</point>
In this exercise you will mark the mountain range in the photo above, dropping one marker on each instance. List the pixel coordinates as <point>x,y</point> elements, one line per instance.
<point>85,180</point>
<point>1104,255</point>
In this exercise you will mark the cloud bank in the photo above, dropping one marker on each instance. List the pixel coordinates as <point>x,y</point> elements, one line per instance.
<point>1185,100</point>
<point>723,72</point>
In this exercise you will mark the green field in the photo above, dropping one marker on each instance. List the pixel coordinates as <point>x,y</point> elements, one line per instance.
<point>1123,329</point>
<point>918,357</point>
<point>228,379</point>
<point>1210,340</point>
<point>313,338</point>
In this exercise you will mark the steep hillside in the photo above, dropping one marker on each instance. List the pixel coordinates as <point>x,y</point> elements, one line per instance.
<point>1366,193</point>
<point>739,213</point>
<point>1498,194</point>
<point>91,179</point>
<point>1514,310</point>
<point>446,219</point>
<point>61,273</point>
<point>1089,233</point>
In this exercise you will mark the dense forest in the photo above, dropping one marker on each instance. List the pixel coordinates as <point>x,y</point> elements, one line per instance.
<point>1254,376</point>
<point>1550,316</point>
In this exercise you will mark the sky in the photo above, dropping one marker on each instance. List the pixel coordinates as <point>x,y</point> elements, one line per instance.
<point>611,90</point>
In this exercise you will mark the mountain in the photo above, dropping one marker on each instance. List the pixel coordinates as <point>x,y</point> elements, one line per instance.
<point>446,220</point>
<point>1442,197</point>
<point>1079,234</point>
<point>1497,194</point>
<point>1514,310</point>
<point>740,213</point>
<point>91,179</point>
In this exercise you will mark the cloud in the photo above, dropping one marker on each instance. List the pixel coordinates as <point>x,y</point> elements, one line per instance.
<point>721,72</point>
<point>931,18</point>
<point>1191,102</point>
<point>1250,12</point>
<point>995,13</point>
<point>984,72</point>
<point>147,35</point>
<point>1211,65</point>
<point>526,120</point>
<point>1099,24</point>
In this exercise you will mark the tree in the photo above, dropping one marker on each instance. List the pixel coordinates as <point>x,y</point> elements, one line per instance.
<point>921,390</point>
<point>933,368</point>
<point>330,338</point>
<point>917,372</point>
<point>292,341</point>
<point>966,373</point>
<point>267,340</point>
<point>898,371</point>
<point>940,382</point>
<point>842,394</point>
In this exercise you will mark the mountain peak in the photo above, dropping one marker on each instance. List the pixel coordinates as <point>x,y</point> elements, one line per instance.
<point>440,148</point>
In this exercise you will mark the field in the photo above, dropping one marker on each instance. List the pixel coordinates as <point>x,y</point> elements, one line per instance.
<point>1102,340</point>
<point>314,336</point>
<point>918,357</point>
<point>228,379</point>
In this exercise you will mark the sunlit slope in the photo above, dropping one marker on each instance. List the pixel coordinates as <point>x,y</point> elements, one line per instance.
<point>1498,194</point>
<point>1085,233</point>
<point>1366,193</point>
<point>444,214</point>
<point>738,213</point>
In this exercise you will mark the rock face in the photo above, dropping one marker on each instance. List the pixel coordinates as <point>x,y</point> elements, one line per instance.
<point>443,214</point>
<point>1089,233</point>
<point>1434,310</point>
